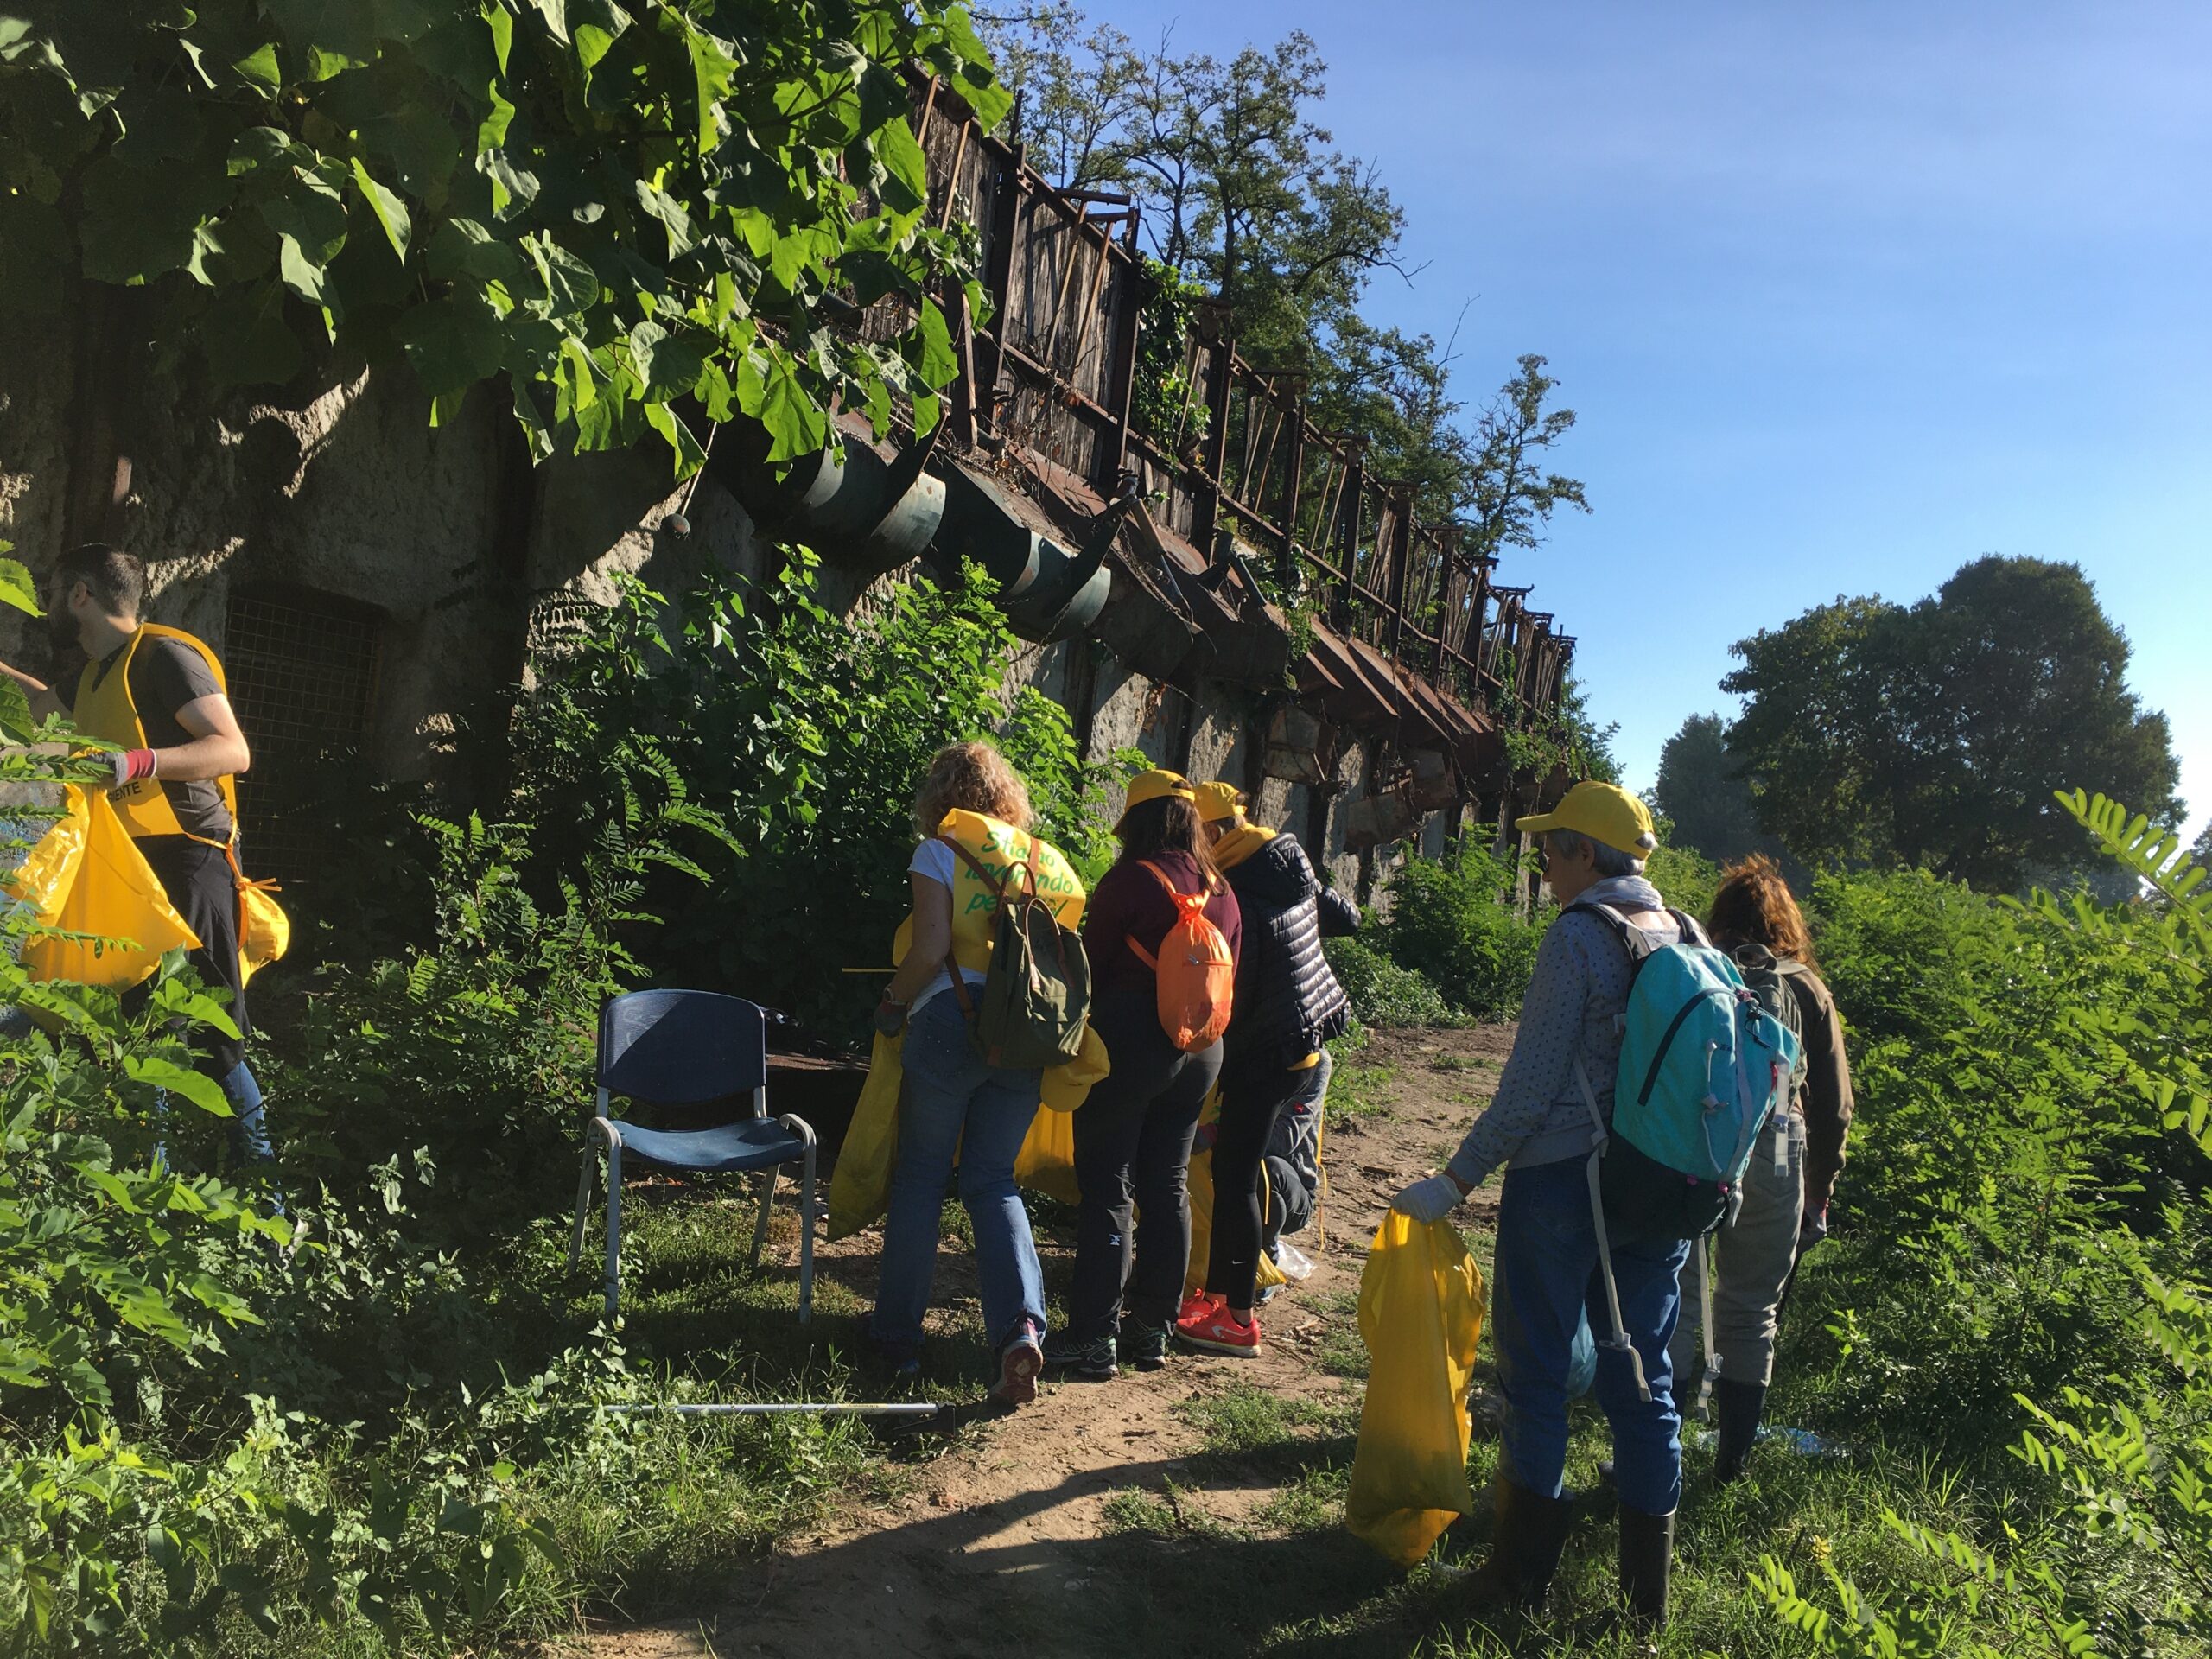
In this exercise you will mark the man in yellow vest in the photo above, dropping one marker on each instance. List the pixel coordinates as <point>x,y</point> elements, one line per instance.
<point>158,692</point>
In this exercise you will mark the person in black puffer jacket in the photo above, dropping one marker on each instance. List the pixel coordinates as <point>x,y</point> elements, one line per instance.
<point>1288,1004</point>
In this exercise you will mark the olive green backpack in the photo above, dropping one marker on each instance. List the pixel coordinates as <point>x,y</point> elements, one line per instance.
<point>1036,994</point>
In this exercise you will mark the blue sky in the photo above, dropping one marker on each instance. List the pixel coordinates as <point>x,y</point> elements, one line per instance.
<point>1844,296</point>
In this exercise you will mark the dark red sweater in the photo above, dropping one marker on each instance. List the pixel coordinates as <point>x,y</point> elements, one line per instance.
<point>1129,903</point>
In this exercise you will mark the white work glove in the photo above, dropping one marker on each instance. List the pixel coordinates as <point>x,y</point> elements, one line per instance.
<point>1429,1200</point>
<point>127,766</point>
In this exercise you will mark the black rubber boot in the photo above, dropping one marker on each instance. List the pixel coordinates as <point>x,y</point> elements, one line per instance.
<point>1526,1543</point>
<point>1646,1557</point>
<point>1739,1407</point>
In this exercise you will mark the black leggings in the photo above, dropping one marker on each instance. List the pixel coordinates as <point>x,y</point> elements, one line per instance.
<point>1251,1104</point>
<point>1133,1153</point>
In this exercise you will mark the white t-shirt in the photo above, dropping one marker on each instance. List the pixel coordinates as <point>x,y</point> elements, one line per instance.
<point>938,861</point>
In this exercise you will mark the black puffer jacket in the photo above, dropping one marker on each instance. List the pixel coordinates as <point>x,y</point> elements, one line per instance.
<point>1288,1002</point>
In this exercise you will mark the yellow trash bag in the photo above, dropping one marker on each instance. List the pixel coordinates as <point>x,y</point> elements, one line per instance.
<point>1199,1180</point>
<point>1421,1312</point>
<point>860,1186</point>
<point>1046,1161</point>
<point>86,875</point>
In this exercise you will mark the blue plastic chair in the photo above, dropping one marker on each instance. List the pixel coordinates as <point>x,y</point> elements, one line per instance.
<point>683,1048</point>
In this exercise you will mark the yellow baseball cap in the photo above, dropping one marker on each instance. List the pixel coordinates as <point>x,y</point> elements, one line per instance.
<point>1219,802</point>
<point>1603,812</point>
<point>1156,786</point>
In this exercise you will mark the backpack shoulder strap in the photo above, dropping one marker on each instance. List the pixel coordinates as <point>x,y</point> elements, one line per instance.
<point>1692,930</point>
<point>1633,939</point>
<point>997,887</point>
<point>1605,913</point>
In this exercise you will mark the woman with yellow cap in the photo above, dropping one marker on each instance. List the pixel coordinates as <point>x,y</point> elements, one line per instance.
<point>1133,1135</point>
<point>1546,1281</point>
<point>1288,1004</point>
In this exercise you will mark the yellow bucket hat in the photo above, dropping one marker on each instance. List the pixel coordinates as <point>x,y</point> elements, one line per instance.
<point>1219,801</point>
<point>1603,812</point>
<point>1157,785</point>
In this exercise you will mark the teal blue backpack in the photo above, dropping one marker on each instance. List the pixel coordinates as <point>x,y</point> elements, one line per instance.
<point>1704,1063</point>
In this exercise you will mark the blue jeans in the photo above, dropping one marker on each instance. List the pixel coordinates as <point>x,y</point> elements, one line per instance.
<point>1547,1279</point>
<point>247,1131</point>
<point>957,1107</point>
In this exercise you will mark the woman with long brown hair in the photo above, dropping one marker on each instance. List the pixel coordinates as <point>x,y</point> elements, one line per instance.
<point>1793,1170</point>
<point>1133,1136</point>
<point>970,812</point>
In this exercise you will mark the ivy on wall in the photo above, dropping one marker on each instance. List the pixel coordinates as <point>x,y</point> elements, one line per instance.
<point>641,213</point>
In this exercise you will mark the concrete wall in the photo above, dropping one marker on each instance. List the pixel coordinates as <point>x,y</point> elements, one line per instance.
<point>443,533</point>
<point>461,553</point>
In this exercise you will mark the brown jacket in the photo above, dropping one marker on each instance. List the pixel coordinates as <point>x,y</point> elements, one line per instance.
<point>1825,1096</point>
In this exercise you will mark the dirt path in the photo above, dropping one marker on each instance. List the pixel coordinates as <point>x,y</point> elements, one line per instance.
<point>1051,1527</point>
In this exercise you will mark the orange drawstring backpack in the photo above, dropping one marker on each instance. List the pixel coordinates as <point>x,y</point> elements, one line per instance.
<point>1194,971</point>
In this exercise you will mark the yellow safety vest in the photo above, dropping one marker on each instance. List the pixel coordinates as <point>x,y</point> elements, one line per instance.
<point>106,710</point>
<point>1003,851</point>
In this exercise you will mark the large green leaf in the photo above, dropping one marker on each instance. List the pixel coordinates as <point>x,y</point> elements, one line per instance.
<point>906,179</point>
<point>202,1092</point>
<point>714,65</point>
<point>937,363</point>
<point>462,247</point>
<point>452,342</point>
<point>390,210</point>
<point>769,390</point>
<point>15,718</point>
<point>309,219</point>
<point>245,340</point>
<point>259,68</point>
<point>17,588</point>
<point>136,224</point>
<point>670,212</point>
<point>556,14</point>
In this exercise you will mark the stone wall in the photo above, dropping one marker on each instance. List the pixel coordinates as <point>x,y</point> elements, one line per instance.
<point>452,550</point>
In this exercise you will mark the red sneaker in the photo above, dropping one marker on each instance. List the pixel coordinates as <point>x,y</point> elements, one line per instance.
<point>1219,1331</point>
<point>1198,1305</point>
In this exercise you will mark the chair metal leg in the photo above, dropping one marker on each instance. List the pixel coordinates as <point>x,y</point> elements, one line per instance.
<point>806,1237</point>
<point>760,1227</point>
<point>583,1205</point>
<point>801,1129</point>
<point>613,1229</point>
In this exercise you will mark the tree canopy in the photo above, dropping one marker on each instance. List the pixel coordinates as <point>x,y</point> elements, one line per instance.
<point>634,210</point>
<point>1243,188</point>
<point>1245,192</point>
<point>1707,800</point>
<point>1933,733</point>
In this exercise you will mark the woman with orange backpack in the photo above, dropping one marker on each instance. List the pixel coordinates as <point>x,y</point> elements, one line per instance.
<point>1162,931</point>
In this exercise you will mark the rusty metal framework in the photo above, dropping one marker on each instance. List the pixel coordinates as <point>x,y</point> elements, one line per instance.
<point>1150,531</point>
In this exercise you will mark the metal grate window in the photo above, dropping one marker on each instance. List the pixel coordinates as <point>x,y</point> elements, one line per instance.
<point>302,671</point>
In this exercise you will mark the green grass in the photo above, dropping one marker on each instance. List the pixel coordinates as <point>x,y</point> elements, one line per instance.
<point>1242,1420</point>
<point>1342,1351</point>
<point>1176,1513</point>
<point>1313,1501</point>
<point>1358,1092</point>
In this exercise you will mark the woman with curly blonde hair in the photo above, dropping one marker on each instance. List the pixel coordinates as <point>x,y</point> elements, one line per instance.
<point>1785,1208</point>
<point>972,814</point>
